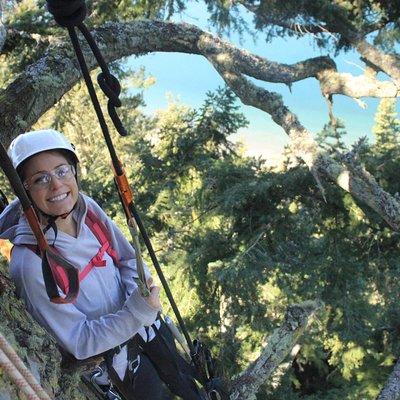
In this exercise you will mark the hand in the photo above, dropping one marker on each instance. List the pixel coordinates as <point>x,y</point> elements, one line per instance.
<point>154,299</point>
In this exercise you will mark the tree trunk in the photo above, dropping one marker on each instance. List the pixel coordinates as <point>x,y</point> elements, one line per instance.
<point>391,391</point>
<point>36,348</point>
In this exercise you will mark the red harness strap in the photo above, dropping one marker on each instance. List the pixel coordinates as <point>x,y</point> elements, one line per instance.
<point>102,234</point>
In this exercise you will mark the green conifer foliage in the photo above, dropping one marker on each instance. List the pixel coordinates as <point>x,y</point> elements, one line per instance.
<point>239,242</point>
<point>387,128</point>
<point>386,150</point>
<point>330,138</point>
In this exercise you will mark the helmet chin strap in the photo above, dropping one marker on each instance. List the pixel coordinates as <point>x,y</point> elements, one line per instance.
<point>51,221</point>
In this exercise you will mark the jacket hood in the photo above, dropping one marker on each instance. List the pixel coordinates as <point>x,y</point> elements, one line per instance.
<point>15,227</point>
<point>11,222</point>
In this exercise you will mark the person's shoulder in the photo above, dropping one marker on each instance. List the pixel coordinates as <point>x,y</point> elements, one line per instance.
<point>91,203</point>
<point>94,207</point>
<point>24,260</point>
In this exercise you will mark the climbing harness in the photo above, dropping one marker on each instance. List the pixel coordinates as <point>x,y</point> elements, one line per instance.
<point>101,233</point>
<point>19,373</point>
<point>151,359</point>
<point>71,14</point>
<point>47,254</point>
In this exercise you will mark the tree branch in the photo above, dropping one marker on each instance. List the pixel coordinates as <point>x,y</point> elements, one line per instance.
<point>56,72</point>
<point>352,178</point>
<point>280,343</point>
<point>42,84</point>
<point>391,391</point>
<point>387,63</point>
<point>366,85</point>
<point>321,68</point>
<point>337,21</point>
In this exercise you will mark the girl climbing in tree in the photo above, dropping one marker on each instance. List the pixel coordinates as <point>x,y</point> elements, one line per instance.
<point>109,316</point>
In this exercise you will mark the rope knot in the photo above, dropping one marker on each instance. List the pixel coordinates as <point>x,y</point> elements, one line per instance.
<point>67,13</point>
<point>111,87</point>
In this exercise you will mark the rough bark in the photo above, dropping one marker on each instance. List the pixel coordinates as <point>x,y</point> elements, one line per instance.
<point>280,344</point>
<point>278,375</point>
<point>36,348</point>
<point>391,391</point>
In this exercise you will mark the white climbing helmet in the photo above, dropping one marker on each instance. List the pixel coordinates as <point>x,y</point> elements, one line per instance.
<point>34,142</point>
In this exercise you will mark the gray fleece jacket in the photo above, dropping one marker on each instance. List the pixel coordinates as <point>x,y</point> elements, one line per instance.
<point>108,310</point>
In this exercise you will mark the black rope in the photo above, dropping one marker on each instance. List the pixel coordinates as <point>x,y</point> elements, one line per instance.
<point>69,14</point>
<point>164,282</point>
<point>95,101</point>
<point>108,83</point>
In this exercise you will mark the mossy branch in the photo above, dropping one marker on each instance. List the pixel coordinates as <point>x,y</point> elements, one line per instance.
<point>280,344</point>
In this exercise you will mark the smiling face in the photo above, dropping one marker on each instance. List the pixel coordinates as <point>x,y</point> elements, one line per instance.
<point>60,196</point>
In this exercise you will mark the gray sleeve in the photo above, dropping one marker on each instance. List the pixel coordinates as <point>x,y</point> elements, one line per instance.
<point>71,328</point>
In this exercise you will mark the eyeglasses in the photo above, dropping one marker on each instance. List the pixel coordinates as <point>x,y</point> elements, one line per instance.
<point>42,180</point>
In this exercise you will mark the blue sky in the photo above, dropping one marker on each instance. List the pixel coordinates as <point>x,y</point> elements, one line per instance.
<point>189,77</point>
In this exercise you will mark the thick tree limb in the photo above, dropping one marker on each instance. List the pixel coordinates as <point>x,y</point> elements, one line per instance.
<point>333,82</point>
<point>388,63</point>
<point>22,103</point>
<point>278,375</point>
<point>280,343</point>
<point>391,391</point>
<point>321,68</point>
<point>43,84</point>
<point>337,21</point>
<point>352,178</point>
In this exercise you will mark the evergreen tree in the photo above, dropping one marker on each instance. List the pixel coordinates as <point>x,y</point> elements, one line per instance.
<point>387,129</point>
<point>330,138</point>
<point>385,162</point>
